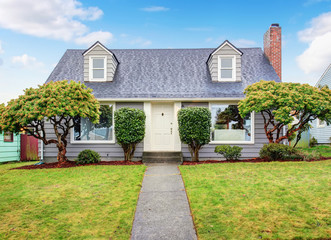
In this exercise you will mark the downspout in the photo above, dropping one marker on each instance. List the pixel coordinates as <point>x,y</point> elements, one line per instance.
<point>42,151</point>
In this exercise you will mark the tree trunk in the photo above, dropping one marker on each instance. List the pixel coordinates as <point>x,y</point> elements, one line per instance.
<point>61,156</point>
<point>196,154</point>
<point>129,150</point>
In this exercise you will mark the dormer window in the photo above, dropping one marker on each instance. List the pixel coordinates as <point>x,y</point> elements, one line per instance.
<point>226,68</point>
<point>98,68</point>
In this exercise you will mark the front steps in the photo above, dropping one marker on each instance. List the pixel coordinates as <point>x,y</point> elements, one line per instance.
<point>162,157</point>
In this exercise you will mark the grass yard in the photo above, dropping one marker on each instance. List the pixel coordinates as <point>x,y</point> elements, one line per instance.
<point>277,200</point>
<point>322,149</point>
<point>92,202</point>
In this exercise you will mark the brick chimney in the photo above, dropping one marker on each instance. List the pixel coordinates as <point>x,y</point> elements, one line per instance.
<point>272,41</point>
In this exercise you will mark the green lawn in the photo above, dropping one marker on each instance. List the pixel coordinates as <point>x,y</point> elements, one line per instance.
<point>324,150</point>
<point>92,202</point>
<point>277,200</point>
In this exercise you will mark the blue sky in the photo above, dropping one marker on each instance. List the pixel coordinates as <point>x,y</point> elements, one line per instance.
<point>35,34</point>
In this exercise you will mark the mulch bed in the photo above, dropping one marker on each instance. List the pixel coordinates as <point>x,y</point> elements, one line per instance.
<point>70,164</point>
<point>251,160</point>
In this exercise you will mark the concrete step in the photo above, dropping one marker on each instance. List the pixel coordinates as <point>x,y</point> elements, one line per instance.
<point>162,157</point>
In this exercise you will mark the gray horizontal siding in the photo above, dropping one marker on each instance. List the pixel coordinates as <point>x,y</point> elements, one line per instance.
<point>107,151</point>
<point>249,150</point>
<point>322,134</point>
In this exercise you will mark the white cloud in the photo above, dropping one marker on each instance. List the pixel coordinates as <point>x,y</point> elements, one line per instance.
<point>155,9</point>
<point>26,61</point>
<point>1,49</point>
<point>89,39</point>
<point>319,26</point>
<point>60,19</point>
<point>209,39</point>
<point>141,42</point>
<point>243,43</point>
<point>318,55</point>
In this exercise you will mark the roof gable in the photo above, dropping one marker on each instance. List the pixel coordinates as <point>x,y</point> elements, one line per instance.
<point>324,75</point>
<point>97,43</point>
<point>226,42</point>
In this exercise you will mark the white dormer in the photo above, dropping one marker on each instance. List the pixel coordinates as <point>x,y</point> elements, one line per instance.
<point>99,64</point>
<point>224,63</point>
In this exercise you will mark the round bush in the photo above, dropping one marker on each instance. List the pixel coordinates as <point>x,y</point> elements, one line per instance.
<point>230,153</point>
<point>194,128</point>
<point>276,151</point>
<point>129,129</point>
<point>88,156</point>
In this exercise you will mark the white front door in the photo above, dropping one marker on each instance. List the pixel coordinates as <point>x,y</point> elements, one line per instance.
<point>162,127</point>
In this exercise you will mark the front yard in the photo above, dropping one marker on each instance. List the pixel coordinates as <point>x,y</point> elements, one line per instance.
<point>277,200</point>
<point>92,202</point>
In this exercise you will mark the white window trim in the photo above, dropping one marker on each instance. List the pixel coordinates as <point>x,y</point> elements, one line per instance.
<point>91,69</point>
<point>320,123</point>
<point>234,69</point>
<point>252,141</point>
<point>73,141</point>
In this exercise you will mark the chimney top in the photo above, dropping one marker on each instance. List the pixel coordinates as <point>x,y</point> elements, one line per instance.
<point>275,25</point>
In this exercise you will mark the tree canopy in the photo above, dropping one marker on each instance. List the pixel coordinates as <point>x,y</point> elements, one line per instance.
<point>194,128</point>
<point>129,129</point>
<point>281,103</point>
<point>57,102</point>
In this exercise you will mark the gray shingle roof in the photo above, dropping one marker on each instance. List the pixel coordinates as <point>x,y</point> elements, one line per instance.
<point>166,73</point>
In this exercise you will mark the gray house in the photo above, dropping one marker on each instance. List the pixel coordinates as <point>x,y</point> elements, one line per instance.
<point>320,130</point>
<point>162,81</point>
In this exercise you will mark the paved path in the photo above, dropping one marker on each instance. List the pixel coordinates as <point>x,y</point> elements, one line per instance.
<point>163,210</point>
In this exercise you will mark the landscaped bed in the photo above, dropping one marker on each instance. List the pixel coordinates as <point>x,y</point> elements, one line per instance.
<point>70,164</point>
<point>251,160</point>
<point>276,200</point>
<point>92,202</point>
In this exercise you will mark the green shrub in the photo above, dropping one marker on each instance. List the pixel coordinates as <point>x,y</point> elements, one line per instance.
<point>276,151</point>
<point>307,156</point>
<point>129,129</point>
<point>88,156</point>
<point>313,142</point>
<point>194,128</point>
<point>230,153</point>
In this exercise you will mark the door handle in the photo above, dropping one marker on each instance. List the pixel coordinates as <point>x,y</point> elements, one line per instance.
<point>171,131</point>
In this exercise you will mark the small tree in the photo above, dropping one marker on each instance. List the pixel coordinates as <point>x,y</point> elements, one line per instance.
<point>129,129</point>
<point>194,128</point>
<point>279,103</point>
<point>57,102</point>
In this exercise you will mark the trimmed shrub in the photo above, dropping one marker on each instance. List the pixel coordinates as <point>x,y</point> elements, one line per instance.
<point>88,156</point>
<point>129,129</point>
<point>230,153</point>
<point>194,128</point>
<point>276,151</point>
<point>313,142</point>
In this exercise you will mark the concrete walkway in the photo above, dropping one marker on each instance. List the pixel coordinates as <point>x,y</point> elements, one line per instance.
<point>163,210</point>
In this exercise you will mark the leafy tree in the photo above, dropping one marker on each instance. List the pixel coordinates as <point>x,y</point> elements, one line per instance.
<point>2,109</point>
<point>194,128</point>
<point>129,129</point>
<point>279,103</point>
<point>57,102</point>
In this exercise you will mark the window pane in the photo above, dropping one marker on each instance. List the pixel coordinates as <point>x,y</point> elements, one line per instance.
<point>98,73</point>
<point>98,62</point>
<point>226,62</point>
<point>226,73</point>
<point>227,124</point>
<point>102,131</point>
<point>8,137</point>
